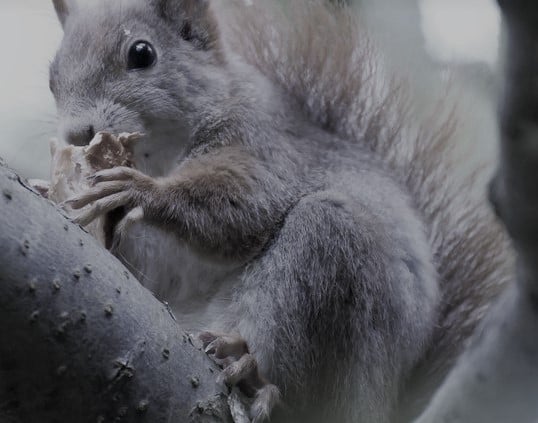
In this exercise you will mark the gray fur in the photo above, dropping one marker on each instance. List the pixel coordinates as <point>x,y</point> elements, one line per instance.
<point>62,10</point>
<point>285,196</point>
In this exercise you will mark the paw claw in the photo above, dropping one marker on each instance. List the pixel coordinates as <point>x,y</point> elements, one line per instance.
<point>211,348</point>
<point>223,346</point>
<point>118,173</point>
<point>69,201</point>
<point>241,370</point>
<point>101,207</point>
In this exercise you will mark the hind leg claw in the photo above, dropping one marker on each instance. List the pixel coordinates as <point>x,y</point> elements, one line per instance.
<point>241,369</point>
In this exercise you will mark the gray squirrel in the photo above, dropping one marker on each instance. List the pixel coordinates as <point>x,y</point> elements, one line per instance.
<point>284,202</point>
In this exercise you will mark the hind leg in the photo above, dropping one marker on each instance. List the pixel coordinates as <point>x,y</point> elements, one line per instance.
<point>241,369</point>
<point>338,308</point>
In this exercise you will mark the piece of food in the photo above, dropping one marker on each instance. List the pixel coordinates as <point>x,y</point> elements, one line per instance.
<point>72,166</point>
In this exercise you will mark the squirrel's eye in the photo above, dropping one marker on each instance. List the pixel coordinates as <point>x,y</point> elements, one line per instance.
<point>141,55</point>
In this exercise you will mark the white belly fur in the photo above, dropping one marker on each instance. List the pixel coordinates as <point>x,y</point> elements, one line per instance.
<point>199,290</point>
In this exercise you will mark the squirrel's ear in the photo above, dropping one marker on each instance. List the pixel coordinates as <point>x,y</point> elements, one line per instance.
<point>62,10</point>
<point>172,5</point>
<point>193,19</point>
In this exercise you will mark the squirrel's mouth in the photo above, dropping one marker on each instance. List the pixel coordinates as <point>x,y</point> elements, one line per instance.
<point>110,221</point>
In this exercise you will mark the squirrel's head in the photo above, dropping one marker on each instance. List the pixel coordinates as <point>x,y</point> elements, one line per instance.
<point>134,65</point>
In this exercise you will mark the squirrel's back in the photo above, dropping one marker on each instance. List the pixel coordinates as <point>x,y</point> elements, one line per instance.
<point>320,56</point>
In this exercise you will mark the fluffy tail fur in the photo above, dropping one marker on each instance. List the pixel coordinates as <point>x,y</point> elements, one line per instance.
<point>318,53</point>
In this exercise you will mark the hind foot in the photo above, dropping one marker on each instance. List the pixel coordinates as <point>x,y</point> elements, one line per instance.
<point>241,369</point>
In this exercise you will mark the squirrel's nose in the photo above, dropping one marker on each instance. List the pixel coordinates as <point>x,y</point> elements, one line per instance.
<point>81,135</point>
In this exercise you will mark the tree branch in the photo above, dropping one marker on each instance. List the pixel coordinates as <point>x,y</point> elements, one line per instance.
<point>81,339</point>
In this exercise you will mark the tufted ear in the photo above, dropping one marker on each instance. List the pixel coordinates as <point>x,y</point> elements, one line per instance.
<point>192,18</point>
<point>62,10</point>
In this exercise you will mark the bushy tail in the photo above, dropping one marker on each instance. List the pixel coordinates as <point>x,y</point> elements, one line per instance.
<point>318,53</point>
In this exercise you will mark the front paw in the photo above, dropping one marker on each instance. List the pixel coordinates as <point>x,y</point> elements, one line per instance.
<point>114,188</point>
<point>241,369</point>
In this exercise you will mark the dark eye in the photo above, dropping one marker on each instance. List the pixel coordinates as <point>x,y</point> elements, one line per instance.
<point>141,55</point>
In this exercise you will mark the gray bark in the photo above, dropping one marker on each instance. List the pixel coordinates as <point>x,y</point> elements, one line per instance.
<point>81,339</point>
<point>496,380</point>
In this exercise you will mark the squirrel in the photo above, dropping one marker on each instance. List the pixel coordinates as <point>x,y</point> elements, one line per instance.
<point>284,203</point>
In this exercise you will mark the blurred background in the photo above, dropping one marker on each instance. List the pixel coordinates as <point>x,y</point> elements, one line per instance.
<point>427,40</point>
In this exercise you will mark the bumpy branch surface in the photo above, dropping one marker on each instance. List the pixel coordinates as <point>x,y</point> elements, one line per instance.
<point>80,339</point>
<point>497,379</point>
